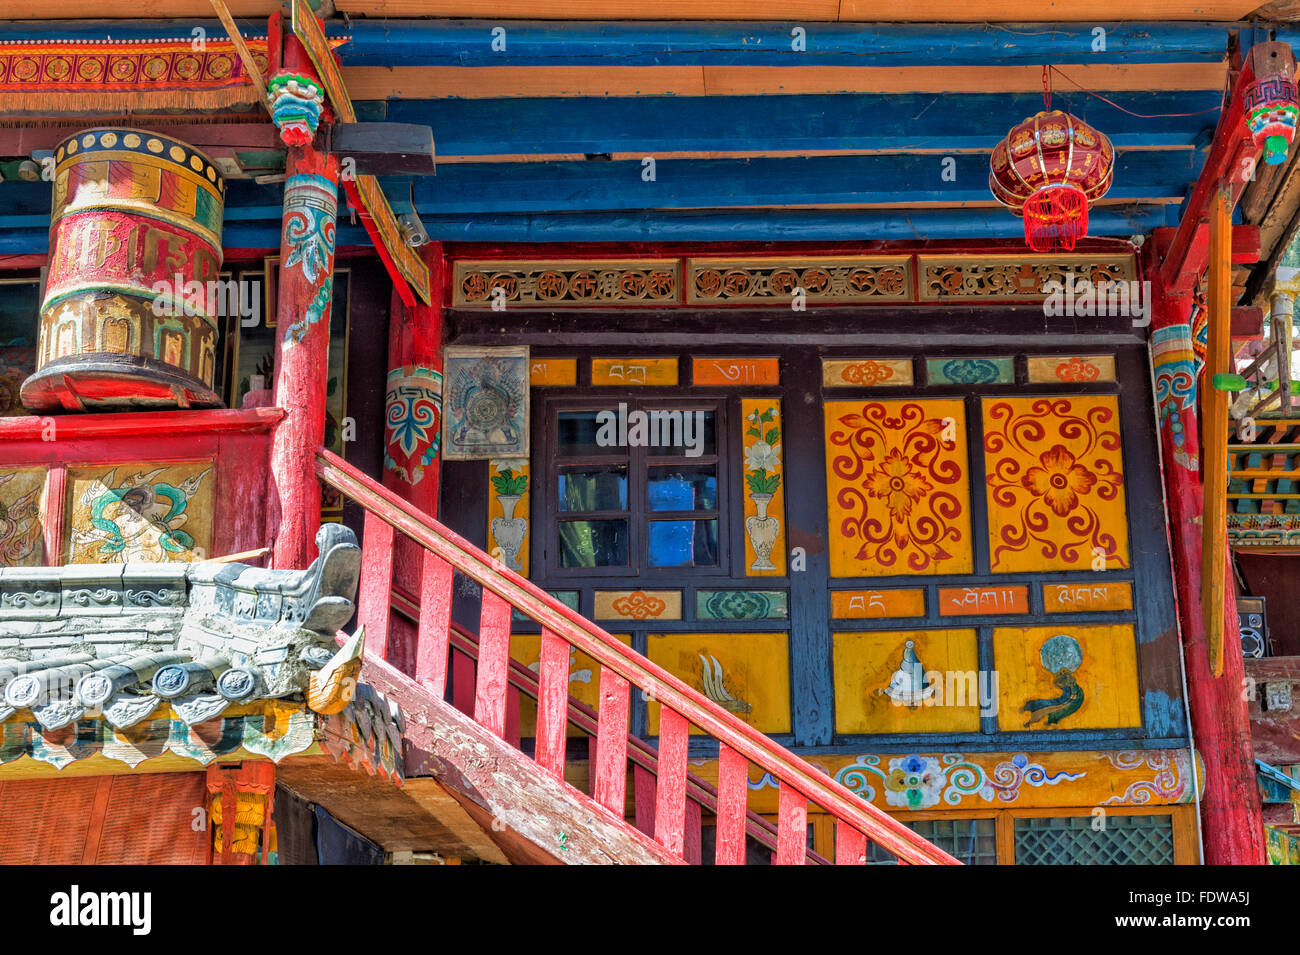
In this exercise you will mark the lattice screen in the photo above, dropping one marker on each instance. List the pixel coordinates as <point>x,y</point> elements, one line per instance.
<point>1072,840</point>
<point>972,841</point>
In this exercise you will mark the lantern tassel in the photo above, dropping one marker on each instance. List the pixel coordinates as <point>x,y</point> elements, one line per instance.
<point>1055,218</point>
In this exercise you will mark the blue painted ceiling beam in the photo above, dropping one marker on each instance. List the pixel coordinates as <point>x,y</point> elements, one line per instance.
<point>535,43</point>
<point>709,226</point>
<point>693,183</point>
<point>865,122</point>
<point>564,187</point>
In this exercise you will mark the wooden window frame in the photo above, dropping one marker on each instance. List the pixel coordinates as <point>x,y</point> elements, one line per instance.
<point>639,461</point>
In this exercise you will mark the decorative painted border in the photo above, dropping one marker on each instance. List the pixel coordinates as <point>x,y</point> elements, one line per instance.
<point>909,278</point>
<point>997,781</point>
<point>571,283</point>
<point>1019,277</point>
<point>779,279</point>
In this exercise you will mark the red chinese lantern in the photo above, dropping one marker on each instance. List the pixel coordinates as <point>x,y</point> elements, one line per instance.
<point>1271,112</point>
<point>1048,169</point>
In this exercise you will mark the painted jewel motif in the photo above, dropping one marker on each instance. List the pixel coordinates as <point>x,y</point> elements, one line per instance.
<point>899,490</point>
<point>413,414</point>
<point>1055,484</point>
<point>1061,656</point>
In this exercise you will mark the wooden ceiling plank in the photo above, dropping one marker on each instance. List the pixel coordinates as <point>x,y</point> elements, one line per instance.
<point>488,82</point>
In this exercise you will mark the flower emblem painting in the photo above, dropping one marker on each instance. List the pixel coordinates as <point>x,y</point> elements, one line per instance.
<point>899,489</point>
<point>1055,484</point>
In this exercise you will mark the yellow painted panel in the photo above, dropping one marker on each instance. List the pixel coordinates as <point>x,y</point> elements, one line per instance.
<point>584,677</point>
<point>634,371</point>
<point>764,483</point>
<point>1071,368</point>
<point>735,371</point>
<point>1078,598</point>
<point>638,605</point>
<point>876,693</point>
<point>508,524</point>
<point>877,603</point>
<point>746,673</point>
<point>1055,484</point>
<point>898,488</point>
<point>1066,677</point>
<point>866,373</point>
<point>21,493</point>
<point>553,372</point>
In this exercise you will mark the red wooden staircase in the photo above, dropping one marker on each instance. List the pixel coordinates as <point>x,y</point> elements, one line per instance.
<point>669,802</point>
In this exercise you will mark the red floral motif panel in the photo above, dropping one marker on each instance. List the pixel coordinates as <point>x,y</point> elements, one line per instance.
<point>1055,481</point>
<point>898,487</point>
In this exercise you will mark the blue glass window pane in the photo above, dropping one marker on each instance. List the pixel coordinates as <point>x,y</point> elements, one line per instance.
<point>683,543</point>
<point>683,489</point>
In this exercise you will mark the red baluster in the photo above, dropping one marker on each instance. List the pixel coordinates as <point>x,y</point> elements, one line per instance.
<point>670,794</point>
<point>611,743</point>
<point>552,703</point>
<point>733,795</point>
<point>375,591</point>
<point>493,663</point>
<point>791,827</point>
<point>850,845</point>
<point>435,624</point>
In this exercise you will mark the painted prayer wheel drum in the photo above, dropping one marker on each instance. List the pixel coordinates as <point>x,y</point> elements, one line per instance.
<point>129,316</point>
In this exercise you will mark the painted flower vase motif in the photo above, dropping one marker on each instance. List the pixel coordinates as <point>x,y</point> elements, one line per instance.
<point>509,531</point>
<point>762,531</point>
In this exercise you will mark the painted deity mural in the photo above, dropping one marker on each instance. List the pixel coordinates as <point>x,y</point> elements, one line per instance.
<point>133,513</point>
<point>899,487</point>
<point>485,414</point>
<point>21,525</point>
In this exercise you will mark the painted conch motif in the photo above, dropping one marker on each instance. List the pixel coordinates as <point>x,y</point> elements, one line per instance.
<point>907,687</point>
<point>715,687</point>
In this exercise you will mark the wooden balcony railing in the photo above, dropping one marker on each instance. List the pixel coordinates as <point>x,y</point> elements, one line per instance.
<point>622,669</point>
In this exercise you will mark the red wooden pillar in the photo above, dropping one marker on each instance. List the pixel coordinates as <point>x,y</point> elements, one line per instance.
<point>1231,822</point>
<point>302,359</point>
<point>412,429</point>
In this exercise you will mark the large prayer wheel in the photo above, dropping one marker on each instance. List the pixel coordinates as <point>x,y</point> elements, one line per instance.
<point>129,315</point>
